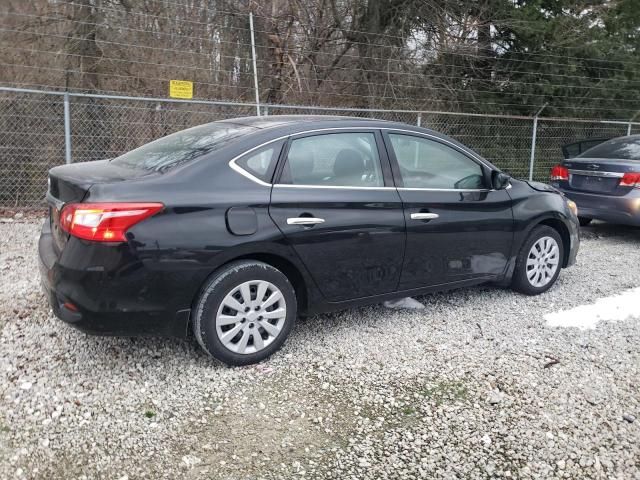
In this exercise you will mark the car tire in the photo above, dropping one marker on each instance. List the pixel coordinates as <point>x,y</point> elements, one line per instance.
<point>535,273</point>
<point>241,337</point>
<point>584,221</point>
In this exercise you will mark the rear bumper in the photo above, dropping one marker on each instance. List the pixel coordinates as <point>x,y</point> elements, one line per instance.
<point>106,302</point>
<point>623,210</point>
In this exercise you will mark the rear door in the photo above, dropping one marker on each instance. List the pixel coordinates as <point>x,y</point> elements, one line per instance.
<point>336,205</point>
<point>458,228</point>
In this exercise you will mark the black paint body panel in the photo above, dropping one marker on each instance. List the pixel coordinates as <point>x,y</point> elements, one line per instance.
<point>472,237</point>
<point>358,251</point>
<point>365,252</point>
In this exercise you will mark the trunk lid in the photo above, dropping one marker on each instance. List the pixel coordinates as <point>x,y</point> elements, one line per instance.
<point>71,184</point>
<point>599,175</point>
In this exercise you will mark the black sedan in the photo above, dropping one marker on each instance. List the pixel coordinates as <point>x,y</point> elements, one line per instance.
<point>604,181</point>
<point>232,229</point>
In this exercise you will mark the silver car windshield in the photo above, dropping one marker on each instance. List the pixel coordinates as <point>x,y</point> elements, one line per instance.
<point>181,147</point>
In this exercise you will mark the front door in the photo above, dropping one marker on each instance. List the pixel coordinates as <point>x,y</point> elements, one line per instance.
<point>335,204</point>
<point>458,227</point>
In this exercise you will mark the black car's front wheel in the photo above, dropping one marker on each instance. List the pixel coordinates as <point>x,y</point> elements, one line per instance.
<point>539,262</point>
<point>245,312</point>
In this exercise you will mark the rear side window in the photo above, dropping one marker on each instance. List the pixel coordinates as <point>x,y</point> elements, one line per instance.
<point>426,163</point>
<point>574,149</point>
<point>181,147</point>
<point>334,159</point>
<point>621,148</point>
<point>261,163</point>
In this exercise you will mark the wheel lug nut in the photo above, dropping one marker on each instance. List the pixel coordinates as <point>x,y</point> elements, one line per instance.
<point>251,325</point>
<point>247,309</point>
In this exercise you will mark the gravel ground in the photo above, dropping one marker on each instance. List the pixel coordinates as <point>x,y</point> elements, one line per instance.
<point>474,386</point>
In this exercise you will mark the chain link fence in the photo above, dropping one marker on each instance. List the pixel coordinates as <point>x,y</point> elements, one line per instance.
<point>42,129</point>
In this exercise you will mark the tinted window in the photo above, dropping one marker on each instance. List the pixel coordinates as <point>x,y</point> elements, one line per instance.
<point>260,163</point>
<point>574,149</point>
<point>181,147</point>
<point>429,164</point>
<point>336,159</point>
<point>622,148</point>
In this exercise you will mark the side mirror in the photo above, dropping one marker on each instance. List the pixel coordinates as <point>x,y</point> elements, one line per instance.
<point>500,180</point>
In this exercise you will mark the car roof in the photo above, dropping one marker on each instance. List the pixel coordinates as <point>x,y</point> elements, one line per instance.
<point>267,121</point>
<point>291,124</point>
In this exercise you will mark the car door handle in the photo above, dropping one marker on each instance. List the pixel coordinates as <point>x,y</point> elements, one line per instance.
<point>424,216</point>
<point>304,221</point>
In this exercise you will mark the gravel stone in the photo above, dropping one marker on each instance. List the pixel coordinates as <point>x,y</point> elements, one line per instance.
<point>629,418</point>
<point>495,397</point>
<point>368,393</point>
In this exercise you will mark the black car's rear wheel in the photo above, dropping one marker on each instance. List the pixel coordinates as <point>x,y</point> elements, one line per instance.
<point>245,312</point>
<point>584,221</point>
<point>539,261</point>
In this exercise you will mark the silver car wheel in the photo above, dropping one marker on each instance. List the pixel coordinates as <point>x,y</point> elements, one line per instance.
<point>251,316</point>
<point>543,261</point>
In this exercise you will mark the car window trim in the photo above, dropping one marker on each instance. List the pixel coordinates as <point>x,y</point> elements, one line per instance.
<point>595,173</point>
<point>341,187</point>
<point>244,173</point>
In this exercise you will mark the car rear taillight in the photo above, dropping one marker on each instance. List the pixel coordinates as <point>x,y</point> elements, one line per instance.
<point>559,173</point>
<point>104,222</point>
<point>630,179</point>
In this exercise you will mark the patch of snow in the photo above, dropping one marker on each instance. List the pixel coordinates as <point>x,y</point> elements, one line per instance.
<point>615,308</point>
<point>406,302</point>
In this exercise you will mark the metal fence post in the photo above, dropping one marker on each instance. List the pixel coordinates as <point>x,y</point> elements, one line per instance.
<point>67,129</point>
<point>534,136</point>
<point>533,147</point>
<point>631,123</point>
<point>419,119</point>
<point>255,69</point>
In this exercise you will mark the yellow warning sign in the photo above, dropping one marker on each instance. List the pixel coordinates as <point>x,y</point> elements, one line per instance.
<point>180,89</point>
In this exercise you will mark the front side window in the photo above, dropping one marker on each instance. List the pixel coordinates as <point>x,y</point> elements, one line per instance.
<point>335,159</point>
<point>181,147</point>
<point>426,163</point>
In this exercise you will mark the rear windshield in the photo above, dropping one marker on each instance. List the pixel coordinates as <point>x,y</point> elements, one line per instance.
<point>181,147</point>
<point>622,148</point>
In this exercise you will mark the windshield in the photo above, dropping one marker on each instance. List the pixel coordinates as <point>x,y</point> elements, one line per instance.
<point>181,147</point>
<point>620,148</point>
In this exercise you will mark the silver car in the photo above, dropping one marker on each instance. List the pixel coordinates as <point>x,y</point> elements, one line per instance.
<point>604,181</point>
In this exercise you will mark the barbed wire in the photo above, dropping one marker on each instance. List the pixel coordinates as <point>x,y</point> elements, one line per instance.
<point>304,53</point>
<point>409,100</point>
<point>315,65</point>
<point>226,12</point>
<point>328,81</point>
<point>217,11</point>
<point>493,70</point>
